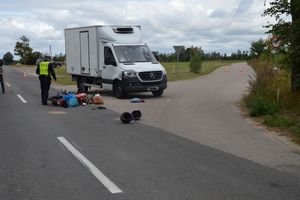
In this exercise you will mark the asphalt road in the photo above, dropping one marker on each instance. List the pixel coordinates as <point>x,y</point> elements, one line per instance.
<point>205,110</point>
<point>42,149</point>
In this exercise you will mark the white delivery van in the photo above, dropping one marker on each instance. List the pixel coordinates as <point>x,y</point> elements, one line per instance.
<point>113,55</point>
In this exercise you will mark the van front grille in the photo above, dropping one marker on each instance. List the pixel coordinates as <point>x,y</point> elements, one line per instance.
<point>150,76</point>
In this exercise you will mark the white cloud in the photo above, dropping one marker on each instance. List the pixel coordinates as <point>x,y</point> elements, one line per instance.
<point>215,25</point>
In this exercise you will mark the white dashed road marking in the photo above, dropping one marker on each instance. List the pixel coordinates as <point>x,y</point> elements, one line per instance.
<point>8,85</point>
<point>21,98</point>
<point>91,167</point>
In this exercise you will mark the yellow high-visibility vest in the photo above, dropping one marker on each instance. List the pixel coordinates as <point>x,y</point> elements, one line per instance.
<point>44,68</point>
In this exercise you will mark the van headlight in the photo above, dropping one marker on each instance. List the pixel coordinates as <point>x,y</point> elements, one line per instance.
<point>164,72</point>
<point>130,73</point>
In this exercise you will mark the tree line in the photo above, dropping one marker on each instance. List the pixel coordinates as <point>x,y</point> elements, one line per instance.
<point>26,53</point>
<point>29,57</point>
<point>187,54</point>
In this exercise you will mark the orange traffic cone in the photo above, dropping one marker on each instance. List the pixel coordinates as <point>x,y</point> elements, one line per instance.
<point>226,68</point>
<point>241,69</point>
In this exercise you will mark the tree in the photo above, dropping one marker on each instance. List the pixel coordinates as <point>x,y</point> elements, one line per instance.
<point>23,49</point>
<point>196,63</point>
<point>61,57</point>
<point>282,27</point>
<point>33,57</point>
<point>8,58</point>
<point>288,33</point>
<point>295,45</point>
<point>257,48</point>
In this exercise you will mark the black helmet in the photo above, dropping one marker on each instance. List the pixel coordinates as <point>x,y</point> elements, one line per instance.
<point>126,117</point>
<point>136,114</point>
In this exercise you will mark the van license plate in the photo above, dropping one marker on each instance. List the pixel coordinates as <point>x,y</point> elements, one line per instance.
<point>152,88</point>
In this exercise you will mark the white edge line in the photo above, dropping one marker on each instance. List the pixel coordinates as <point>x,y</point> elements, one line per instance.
<point>91,167</point>
<point>76,145</point>
<point>21,98</point>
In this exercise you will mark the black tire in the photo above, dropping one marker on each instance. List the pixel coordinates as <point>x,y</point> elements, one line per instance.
<point>118,90</point>
<point>158,93</point>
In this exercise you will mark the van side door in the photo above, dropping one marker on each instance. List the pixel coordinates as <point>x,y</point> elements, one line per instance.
<point>109,68</point>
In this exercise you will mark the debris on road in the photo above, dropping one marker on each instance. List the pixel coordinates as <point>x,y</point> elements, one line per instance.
<point>69,99</point>
<point>97,99</point>
<point>99,108</point>
<point>136,114</point>
<point>137,100</point>
<point>127,117</point>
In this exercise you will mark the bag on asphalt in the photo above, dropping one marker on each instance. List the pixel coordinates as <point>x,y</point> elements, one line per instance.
<point>81,97</point>
<point>98,100</point>
<point>70,100</point>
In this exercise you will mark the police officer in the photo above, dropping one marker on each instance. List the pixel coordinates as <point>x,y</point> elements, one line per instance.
<point>45,70</point>
<point>1,77</point>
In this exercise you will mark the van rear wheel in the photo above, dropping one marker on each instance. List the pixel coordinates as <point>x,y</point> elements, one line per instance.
<point>81,88</point>
<point>158,93</point>
<point>118,90</point>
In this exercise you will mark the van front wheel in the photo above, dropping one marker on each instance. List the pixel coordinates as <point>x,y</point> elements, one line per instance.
<point>118,90</point>
<point>158,93</point>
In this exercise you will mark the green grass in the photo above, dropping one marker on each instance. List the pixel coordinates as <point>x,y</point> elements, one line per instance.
<point>259,106</point>
<point>63,77</point>
<point>174,73</point>
<point>279,121</point>
<point>286,122</point>
<point>182,71</point>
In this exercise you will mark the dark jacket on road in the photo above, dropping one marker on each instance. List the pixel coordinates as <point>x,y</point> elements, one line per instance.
<point>45,70</point>
<point>1,77</point>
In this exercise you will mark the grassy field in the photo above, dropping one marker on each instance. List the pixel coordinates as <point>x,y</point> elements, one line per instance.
<point>175,73</point>
<point>182,71</point>
<point>62,77</point>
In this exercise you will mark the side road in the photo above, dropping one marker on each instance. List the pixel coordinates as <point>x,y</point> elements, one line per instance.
<point>204,110</point>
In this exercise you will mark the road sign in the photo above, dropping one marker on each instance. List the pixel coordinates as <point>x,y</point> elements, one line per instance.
<point>178,49</point>
<point>275,42</point>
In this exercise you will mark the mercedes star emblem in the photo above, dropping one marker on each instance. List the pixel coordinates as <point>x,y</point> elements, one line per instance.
<point>152,75</point>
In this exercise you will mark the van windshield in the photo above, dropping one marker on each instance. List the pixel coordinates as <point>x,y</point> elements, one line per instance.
<point>134,53</point>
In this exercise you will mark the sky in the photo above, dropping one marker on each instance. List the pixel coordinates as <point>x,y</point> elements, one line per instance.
<point>214,25</point>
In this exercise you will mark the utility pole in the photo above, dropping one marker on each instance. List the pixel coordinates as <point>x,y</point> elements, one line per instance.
<point>50,51</point>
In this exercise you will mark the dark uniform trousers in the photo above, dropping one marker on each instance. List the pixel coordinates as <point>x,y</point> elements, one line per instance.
<point>45,82</point>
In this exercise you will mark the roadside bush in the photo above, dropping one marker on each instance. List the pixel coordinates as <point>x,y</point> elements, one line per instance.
<point>260,106</point>
<point>273,84</point>
<point>270,94</point>
<point>196,63</point>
